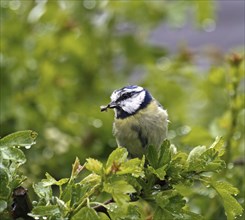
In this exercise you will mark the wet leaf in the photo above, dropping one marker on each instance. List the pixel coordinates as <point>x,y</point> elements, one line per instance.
<point>14,154</point>
<point>49,210</point>
<point>19,138</point>
<point>119,189</point>
<point>86,214</point>
<point>226,190</point>
<point>134,167</point>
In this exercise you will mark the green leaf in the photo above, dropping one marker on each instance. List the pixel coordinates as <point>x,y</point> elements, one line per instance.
<point>134,167</point>
<point>61,204</point>
<point>62,181</point>
<point>218,145</point>
<point>43,192</point>
<point>152,156</point>
<point>125,211</point>
<point>202,159</point>
<point>92,178</point>
<point>94,165</point>
<point>86,214</point>
<point>171,205</point>
<point>20,138</point>
<point>188,215</point>
<point>13,154</point>
<point>46,211</point>
<point>118,156</point>
<point>119,189</point>
<point>133,212</point>
<point>4,184</point>
<point>74,192</point>
<point>103,216</point>
<point>196,153</point>
<point>160,172</point>
<point>226,190</point>
<point>164,154</point>
<point>3,205</point>
<point>163,199</point>
<point>177,166</point>
<point>51,181</point>
<point>159,213</point>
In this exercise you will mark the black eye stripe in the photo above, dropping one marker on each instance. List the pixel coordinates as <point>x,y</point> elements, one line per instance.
<point>127,95</point>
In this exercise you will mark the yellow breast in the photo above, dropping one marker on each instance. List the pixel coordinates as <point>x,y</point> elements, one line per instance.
<point>146,127</point>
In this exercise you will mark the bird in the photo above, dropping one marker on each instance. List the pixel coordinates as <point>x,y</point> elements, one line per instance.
<point>140,120</point>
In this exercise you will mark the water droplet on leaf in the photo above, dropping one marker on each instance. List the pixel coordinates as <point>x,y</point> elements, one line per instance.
<point>27,146</point>
<point>157,187</point>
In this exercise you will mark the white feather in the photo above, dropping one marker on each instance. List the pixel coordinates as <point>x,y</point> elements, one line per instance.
<point>132,104</point>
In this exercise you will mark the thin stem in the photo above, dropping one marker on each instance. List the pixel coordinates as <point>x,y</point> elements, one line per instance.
<point>234,114</point>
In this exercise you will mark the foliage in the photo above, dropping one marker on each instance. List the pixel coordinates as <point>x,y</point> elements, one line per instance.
<point>160,183</point>
<point>11,158</point>
<point>60,60</point>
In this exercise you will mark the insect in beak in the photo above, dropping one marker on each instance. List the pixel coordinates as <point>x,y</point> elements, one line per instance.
<point>110,105</point>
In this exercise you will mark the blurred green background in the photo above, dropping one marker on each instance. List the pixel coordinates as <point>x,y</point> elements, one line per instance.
<point>60,60</point>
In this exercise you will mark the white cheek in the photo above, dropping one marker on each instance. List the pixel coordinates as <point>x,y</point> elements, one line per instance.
<point>131,105</point>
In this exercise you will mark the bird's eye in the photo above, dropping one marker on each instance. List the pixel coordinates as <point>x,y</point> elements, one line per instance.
<point>126,95</point>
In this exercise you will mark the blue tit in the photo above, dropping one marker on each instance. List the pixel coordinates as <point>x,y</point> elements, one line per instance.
<point>139,121</point>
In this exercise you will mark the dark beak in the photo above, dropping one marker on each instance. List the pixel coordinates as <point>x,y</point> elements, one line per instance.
<point>110,105</point>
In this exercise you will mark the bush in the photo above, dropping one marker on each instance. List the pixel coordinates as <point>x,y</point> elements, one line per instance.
<point>137,189</point>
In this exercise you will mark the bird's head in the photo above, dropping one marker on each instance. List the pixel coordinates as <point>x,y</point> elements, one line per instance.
<point>128,100</point>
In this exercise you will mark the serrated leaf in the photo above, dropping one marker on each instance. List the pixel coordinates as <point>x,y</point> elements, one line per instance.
<point>159,213</point>
<point>73,193</point>
<point>51,181</point>
<point>163,198</point>
<point>177,165</point>
<point>134,167</point>
<point>92,178</point>
<point>196,153</point>
<point>119,155</point>
<point>231,205</point>
<point>94,166</point>
<point>61,204</point>
<point>188,215</point>
<point>202,159</point>
<point>14,154</point>
<point>43,192</point>
<point>152,156</point>
<point>86,214</point>
<point>46,211</point>
<point>125,211</point>
<point>218,145</point>
<point>20,138</point>
<point>159,172</point>
<point>4,188</point>
<point>119,189</point>
<point>164,154</point>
